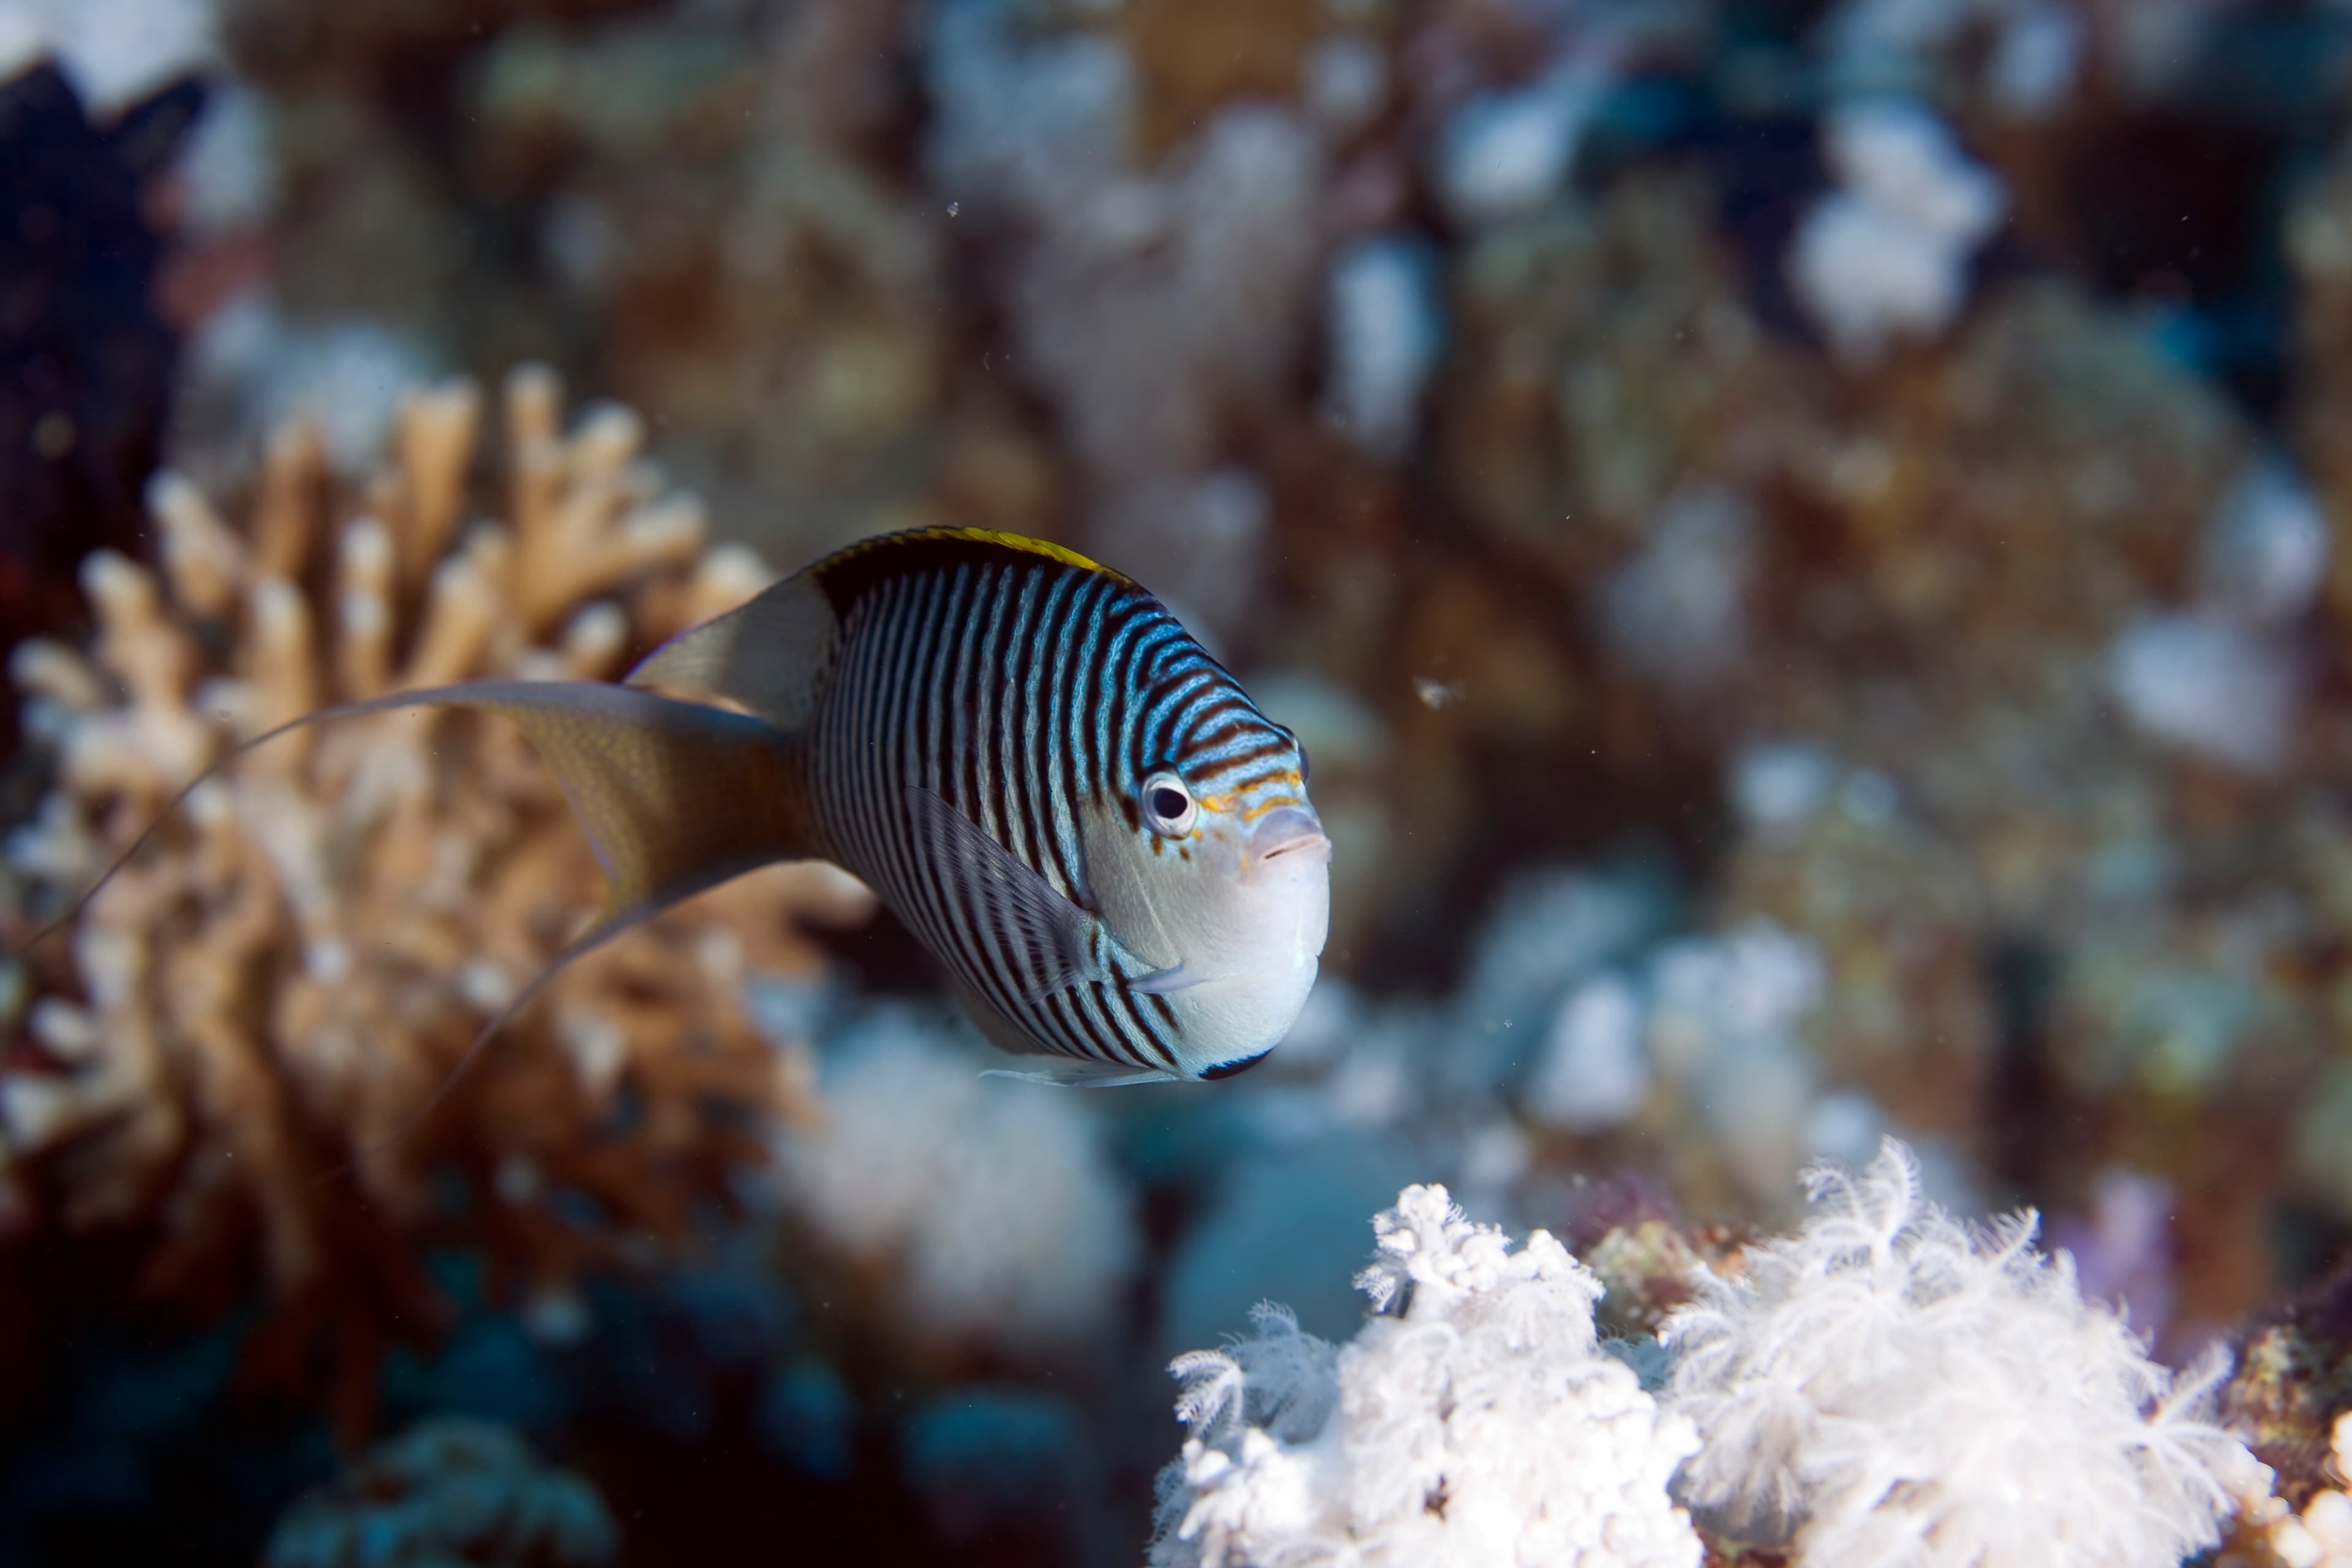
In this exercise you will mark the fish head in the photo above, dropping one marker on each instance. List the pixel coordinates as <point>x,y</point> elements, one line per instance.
<point>1216,873</point>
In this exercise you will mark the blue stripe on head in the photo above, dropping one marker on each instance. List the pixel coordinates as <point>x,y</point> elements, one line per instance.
<point>1195,719</point>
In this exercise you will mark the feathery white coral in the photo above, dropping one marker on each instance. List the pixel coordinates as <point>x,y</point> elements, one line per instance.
<point>1892,1389</point>
<point>1474,1420</point>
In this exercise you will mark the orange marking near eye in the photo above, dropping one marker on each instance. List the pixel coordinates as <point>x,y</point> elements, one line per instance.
<point>1276,803</point>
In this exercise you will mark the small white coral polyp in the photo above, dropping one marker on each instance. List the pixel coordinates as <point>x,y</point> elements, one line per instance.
<point>1474,1420</point>
<point>1888,1389</point>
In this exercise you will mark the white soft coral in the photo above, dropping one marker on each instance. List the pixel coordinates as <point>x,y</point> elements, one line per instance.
<point>1893,1391</point>
<point>995,1214</point>
<point>1474,1420</point>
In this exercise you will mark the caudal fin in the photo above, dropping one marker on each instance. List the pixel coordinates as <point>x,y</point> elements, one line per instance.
<point>675,798</point>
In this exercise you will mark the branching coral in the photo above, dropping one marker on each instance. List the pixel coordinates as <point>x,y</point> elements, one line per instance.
<point>232,1046</point>
<point>1890,1389</point>
<point>1474,1420</point>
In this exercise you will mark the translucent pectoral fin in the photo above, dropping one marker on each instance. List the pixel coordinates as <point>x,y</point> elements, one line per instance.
<point>1059,944</point>
<point>1168,982</point>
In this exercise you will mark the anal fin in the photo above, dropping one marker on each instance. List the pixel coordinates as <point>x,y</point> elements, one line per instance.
<point>1062,1072</point>
<point>675,798</point>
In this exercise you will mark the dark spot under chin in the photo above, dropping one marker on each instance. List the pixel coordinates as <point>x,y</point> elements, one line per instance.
<point>1227,1069</point>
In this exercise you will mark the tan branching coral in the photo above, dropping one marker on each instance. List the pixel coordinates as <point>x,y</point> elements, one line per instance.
<point>233,1044</point>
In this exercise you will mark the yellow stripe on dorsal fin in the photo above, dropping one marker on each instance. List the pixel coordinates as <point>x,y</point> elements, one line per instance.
<point>1017,541</point>
<point>848,574</point>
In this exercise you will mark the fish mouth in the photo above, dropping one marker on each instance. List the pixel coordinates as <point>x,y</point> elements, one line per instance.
<point>1291,833</point>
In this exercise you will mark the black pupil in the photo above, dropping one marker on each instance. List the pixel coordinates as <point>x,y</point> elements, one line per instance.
<point>1168,804</point>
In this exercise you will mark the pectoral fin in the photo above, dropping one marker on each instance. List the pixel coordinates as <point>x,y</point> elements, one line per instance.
<point>1059,944</point>
<point>1168,982</point>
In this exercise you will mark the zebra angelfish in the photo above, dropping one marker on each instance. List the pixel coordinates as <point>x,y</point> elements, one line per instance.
<point>1070,804</point>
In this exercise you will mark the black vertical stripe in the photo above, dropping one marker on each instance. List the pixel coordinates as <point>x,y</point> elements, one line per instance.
<point>1044,739</point>
<point>1074,673</point>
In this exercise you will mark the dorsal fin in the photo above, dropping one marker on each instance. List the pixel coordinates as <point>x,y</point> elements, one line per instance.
<point>912,542</point>
<point>770,654</point>
<point>848,574</point>
<point>773,653</point>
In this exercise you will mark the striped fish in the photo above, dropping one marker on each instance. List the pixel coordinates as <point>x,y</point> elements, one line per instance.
<point>1070,804</point>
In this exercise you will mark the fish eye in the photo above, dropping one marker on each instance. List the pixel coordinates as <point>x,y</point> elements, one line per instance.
<point>1304,768</point>
<point>1168,806</point>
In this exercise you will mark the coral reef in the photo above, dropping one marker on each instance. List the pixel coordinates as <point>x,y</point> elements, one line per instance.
<point>1119,221</point>
<point>2294,1379</point>
<point>2010,736</point>
<point>694,212</point>
<point>444,1493</point>
<point>286,43</point>
<point>236,1047</point>
<point>715,204</point>
<point>1801,541</point>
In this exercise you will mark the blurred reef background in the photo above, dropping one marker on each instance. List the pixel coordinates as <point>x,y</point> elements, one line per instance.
<point>1810,543</point>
